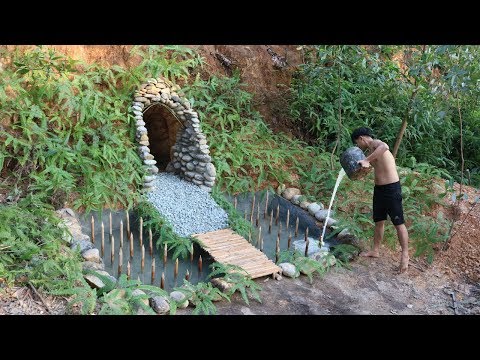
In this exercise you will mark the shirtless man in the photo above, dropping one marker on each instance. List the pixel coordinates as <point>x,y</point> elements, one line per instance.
<point>387,195</point>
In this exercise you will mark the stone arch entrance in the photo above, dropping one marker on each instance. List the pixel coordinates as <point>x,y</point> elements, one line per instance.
<point>169,135</point>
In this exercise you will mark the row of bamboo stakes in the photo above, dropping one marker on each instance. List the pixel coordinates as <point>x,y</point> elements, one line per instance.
<point>259,241</point>
<point>131,248</point>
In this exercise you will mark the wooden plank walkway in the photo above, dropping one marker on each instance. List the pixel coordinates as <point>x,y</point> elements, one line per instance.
<point>228,247</point>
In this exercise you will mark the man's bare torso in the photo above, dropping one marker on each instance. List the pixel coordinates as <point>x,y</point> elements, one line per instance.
<point>385,168</point>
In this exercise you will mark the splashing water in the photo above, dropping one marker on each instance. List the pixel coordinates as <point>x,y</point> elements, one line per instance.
<point>340,176</point>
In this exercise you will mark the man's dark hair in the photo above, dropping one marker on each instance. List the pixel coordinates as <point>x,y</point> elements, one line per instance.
<point>361,131</point>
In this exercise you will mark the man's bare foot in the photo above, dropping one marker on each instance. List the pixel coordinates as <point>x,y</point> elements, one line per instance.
<point>371,253</point>
<point>404,263</point>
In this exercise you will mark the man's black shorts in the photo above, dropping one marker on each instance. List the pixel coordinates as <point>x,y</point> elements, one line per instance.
<point>387,199</point>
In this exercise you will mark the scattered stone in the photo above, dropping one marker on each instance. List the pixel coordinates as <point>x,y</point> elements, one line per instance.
<point>290,192</point>
<point>94,281</point>
<point>314,207</point>
<point>289,270</point>
<point>160,305</point>
<point>180,299</point>
<point>92,255</point>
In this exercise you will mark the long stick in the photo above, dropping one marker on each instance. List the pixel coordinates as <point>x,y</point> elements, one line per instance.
<point>306,234</point>
<point>277,248</point>
<point>288,219</point>
<point>296,227</point>
<point>93,229</point>
<point>200,264</point>
<point>162,281</point>
<point>153,271</point>
<point>131,245</point>
<point>112,250</point>
<point>141,231</point>
<point>191,252</point>
<point>103,239</point>
<point>289,242</point>
<point>259,235</point>
<point>150,241</point>
<point>306,248</point>
<point>142,264</point>
<point>235,203</point>
<point>175,270</point>
<point>128,224</point>
<point>187,275</point>
<point>120,261</point>
<point>271,222</point>
<point>266,207</point>
<point>277,215</point>
<point>250,236</point>
<point>110,223</point>
<point>128,270</point>
<point>39,296</point>
<point>279,230</point>
<point>165,252</point>
<point>121,233</point>
<point>258,215</point>
<point>253,208</point>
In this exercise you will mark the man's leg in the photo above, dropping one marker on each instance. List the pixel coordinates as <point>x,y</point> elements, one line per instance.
<point>377,239</point>
<point>402,234</point>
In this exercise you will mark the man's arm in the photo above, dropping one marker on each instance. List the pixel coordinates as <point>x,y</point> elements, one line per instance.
<point>380,148</point>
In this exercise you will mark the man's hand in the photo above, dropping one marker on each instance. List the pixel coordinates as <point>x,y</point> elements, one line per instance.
<point>365,163</point>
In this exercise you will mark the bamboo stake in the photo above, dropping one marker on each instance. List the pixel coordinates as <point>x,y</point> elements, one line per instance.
<point>258,215</point>
<point>191,252</point>
<point>252,211</point>
<point>277,215</point>
<point>296,227</point>
<point>120,261</point>
<point>266,207</point>
<point>261,244</point>
<point>187,275</point>
<point>128,224</point>
<point>142,264</point>
<point>271,222</point>
<point>93,229</point>
<point>162,281</point>
<point>121,233</point>
<point>141,231</point>
<point>110,223</point>
<point>150,241</point>
<point>153,271</point>
<point>250,236</point>
<point>279,230</point>
<point>112,250</point>
<point>103,239</point>
<point>235,203</point>
<point>128,270</point>
<point>200,264</point>
<point>289,242</point>
<point>306,234</point>
<point>165,254</point>
<point>175,271</point>
<point>277,248</point>
<point>259,235</point>
<point>131,245</point>
<point>288,219</point>
<point>306,248</point>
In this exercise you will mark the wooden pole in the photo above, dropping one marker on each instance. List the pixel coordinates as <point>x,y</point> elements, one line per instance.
<point>175,270</point>
<point>165,252</point>
<point>289,242</point>
<point>277,215</point>
<point>128,270</point>
<point>150,241</point>
<point>259,236</point>
<point>162,281</point>
<point>92,224</point>
<point>103,239</point>
<point>187,275</point>
<point>277,249</point>
<point>200,264</point>
<point>252,211</point>
<point>250,236</point>
<point>279,230</point>
<point>258,215</point>
<point>142,265</point>
<point>306,234</point>
<point>306,248</point>
<point>128,224</point>
<point>121,233</point>
<point>288,219</point>
<point>296,227</point>
<point>120,261</point>
<point>266,207</point>
<point>112,250</point>
<point>261,244</point>
<point>110,223</point>
<point>153,271</point>
<point>141,231</point>
<point>191,252</point>
<point>271,222</point>
<point>131,245</point>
